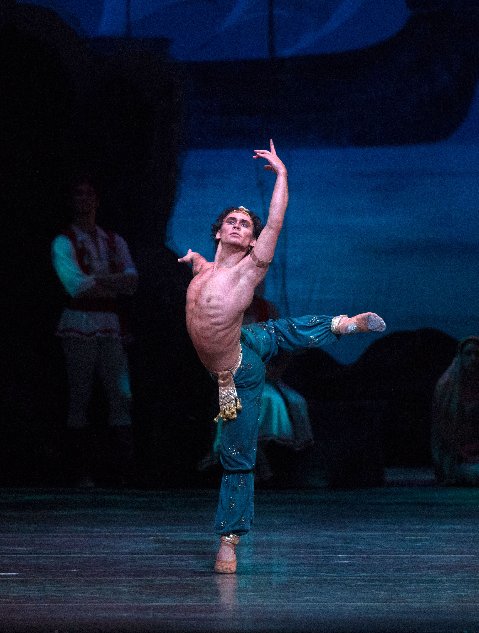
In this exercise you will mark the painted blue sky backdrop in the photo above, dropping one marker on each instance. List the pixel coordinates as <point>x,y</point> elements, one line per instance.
<point>393,229</point>
<point>238,29</point>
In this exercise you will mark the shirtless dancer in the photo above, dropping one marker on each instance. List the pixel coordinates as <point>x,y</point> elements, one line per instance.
<point>217,297</point>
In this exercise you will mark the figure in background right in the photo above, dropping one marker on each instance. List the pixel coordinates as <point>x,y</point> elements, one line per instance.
<point>455,418</point>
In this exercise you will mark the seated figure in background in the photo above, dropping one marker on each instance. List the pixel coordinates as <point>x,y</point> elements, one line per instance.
<point>455,418</point>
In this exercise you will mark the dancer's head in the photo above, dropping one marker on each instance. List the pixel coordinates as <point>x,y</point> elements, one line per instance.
<point>237,220</point>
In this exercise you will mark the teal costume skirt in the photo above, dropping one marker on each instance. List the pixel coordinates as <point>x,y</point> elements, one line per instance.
<point>259,343</point>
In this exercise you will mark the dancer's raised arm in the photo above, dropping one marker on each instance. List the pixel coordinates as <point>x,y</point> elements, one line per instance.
<point>263,251</point>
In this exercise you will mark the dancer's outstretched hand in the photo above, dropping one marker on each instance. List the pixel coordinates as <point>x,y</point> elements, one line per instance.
<point>195,259</point>
<point>274,162</point>
<point>188,258</point>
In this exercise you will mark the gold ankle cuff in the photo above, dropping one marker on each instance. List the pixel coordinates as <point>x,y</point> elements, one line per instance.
<point>230,539</point>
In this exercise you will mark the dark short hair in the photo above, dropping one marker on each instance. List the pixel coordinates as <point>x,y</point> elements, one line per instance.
<point>257,223</point>
<point>82,178</point>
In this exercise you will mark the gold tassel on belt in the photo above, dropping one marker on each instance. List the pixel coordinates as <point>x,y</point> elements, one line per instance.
<point>229,402</point>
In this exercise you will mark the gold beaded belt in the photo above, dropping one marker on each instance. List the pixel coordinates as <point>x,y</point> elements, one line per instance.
<point>229,402</point>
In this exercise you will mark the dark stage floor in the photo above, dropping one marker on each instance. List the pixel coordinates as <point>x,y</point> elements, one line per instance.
<point>393,559</point>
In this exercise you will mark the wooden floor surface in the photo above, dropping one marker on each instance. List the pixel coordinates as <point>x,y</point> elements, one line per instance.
<point>393,559</point>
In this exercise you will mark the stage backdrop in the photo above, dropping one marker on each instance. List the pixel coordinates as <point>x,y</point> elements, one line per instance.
<point>238,29</point>
<point>389,229</point>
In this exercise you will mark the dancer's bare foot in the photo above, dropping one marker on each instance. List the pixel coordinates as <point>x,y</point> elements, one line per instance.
<point>365,322</point>
<point>226,556</point>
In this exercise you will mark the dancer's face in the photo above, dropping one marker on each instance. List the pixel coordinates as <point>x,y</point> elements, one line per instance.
<point>237,228</point>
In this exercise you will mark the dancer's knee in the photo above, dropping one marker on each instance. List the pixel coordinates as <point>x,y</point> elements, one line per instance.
<point>235,462</point>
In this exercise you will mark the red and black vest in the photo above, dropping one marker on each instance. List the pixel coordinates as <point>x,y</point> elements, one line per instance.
<point>93,304</point>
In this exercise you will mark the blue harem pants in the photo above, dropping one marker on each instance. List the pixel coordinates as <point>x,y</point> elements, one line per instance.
<point>259,343</point>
